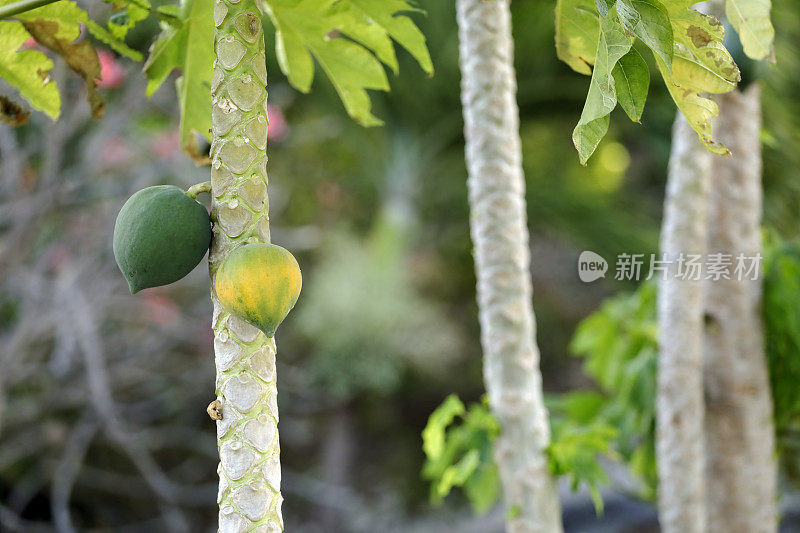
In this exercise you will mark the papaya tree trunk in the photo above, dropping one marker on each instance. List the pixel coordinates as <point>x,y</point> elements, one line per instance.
<point>502,261</point>
<point>680,445</point>
<point>246,408</point>
<point>740,456</point>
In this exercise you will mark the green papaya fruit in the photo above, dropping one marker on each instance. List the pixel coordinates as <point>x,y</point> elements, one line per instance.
<point>160,235</point>
<point>260,284</point>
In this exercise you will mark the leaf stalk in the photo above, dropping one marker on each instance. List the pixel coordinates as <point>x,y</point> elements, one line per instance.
<point>22,6</point>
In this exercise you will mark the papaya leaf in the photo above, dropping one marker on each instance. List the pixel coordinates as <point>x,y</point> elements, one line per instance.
<point>632,81</point>
<point>11,113</point>
<point>80,56</point>
<point>302,31</point>
<point>27,70</point>
<point>751,20</point>
<point>701,64</point>
<point>577,32</point>
<point>187,48</point>
<point>700,60</point>
<point>57,26</point>
<point>649,21</point>
<point>372,23</point>
<point>69,16</point>
<point>686,44</point>
<point>102,34</point>
<point>603,6</point>
<point>121,22</point>
<point>602,97</point>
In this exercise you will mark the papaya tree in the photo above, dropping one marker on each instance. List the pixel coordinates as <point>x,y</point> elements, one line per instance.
<point>691,57</point>
<point>502,264</point>
<point>220,51</point>
<point>605,40</point>
<point>741,464</point>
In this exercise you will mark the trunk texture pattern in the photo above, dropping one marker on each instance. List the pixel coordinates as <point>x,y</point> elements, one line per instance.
<point>502,260</point>
<point>249,470</point>
<point>740,454</point>
<point>680,445</point>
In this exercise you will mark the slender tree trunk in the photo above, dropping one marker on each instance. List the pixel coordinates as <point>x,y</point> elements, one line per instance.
<point>680,446</point>
<point>502,261</point>
<point>740,451</point>
<point>247,433</point>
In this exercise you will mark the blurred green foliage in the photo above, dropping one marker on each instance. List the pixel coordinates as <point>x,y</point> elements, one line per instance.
<point>365,320</point>
<point>619,347</point>
<point>458,446</point>
<point>457,442</point>
<point>782,327</point>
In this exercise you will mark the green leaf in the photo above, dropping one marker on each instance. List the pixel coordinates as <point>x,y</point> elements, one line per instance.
<point>457,474</point>
<point>649,21</point>
<point>117,45</point>
<point>603,6</point>
<point>483,488</point>
<point>577,32</point>
<point>190,49</point>
<point>27,70</point>
<point>574,451</point>
<point>303,29</point>
<point>433,436</point>
<point>69,17</point>
<point>81,57</point>
<point>701,64</point>
<point>632,81</point>
<point>57,26</point>
<point>166,54</point>
<point>460,454</point>
<point>751,19</point>
<point>602,96</point>
<point>122,21</point>
<point>380,17</point>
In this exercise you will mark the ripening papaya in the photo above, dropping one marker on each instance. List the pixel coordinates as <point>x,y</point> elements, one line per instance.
<point>160,235</point>
<point>259,283</point>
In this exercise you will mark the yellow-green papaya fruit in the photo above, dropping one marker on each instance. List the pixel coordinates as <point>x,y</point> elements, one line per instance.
<point>160,236</point>
<point>259,283</point>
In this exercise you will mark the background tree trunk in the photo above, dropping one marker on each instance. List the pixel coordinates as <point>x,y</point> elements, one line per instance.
<point>249,470</point>
<point>740,453</point>
<point>502,261</point>
<point>679,403</point>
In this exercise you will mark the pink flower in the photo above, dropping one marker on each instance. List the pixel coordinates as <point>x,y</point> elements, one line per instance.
<point>278,128</point>
<point>112,75</point>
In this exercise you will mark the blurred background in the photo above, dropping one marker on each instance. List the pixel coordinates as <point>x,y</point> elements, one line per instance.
<point>103,394</point>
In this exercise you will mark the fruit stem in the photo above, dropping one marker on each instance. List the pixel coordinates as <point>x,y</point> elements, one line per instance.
<point>197,188</point>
